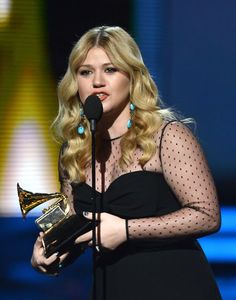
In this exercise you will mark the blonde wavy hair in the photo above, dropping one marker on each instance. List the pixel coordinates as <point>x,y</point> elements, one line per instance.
<point>148,116</point>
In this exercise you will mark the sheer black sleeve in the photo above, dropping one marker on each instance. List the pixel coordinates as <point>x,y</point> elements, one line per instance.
<point>186,171</point>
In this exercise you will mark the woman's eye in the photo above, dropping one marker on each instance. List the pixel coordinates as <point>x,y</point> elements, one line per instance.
<point>85,72</point>
<point>111,70</point>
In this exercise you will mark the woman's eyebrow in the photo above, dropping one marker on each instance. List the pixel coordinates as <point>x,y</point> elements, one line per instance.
<point>91,66</point>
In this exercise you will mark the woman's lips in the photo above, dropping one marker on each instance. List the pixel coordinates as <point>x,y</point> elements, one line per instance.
<point>102,96</point>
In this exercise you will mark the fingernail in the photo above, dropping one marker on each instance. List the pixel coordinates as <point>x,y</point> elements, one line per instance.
<point>85,213</point>
<point>56,253</point>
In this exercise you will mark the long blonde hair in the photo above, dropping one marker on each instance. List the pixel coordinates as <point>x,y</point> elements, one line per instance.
<point>148,117</point>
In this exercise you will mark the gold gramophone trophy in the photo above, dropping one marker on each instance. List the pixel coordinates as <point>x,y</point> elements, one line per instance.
<point>59,225</point>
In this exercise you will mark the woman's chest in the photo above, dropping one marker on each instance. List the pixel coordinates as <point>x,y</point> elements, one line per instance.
<point>109,170</point>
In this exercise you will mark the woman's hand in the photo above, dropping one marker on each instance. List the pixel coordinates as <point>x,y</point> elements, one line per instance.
<point>50,265</point>
<point>110,232</point>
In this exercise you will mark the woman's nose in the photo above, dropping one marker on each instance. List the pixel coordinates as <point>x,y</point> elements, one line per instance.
<point>98,80</point>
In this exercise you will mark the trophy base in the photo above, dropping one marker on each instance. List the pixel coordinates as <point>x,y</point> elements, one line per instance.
<point>61,237</point>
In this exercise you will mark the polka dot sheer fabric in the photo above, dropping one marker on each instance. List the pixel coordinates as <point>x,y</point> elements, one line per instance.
<point>181,160</point>
<point>186,171</point>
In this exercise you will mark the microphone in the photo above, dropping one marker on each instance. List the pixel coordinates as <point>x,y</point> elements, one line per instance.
<point>93,110</point>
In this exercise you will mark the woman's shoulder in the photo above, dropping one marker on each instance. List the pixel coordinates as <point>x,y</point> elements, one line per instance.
<point>175,133</point>
<point>175,128</point>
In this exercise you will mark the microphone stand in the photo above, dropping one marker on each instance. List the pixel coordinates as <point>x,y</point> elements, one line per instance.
<point>93,110</point>
<point>94,201</point>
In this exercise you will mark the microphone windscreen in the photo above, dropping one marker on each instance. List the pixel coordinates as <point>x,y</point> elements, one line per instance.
<point>93,108</point>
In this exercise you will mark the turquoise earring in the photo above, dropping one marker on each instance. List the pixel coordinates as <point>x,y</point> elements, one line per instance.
<point>80,128</point>
<point>132,109</point>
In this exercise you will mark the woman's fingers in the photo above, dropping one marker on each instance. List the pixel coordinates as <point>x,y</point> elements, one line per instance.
<point>50,265</point>
<point>110,231</point>
<point>51,259</point>
<point>89,235</point>
<point>84,237</point>
<point>89,215</point>
<point>39,239</point>
<point>63,256</point>
<point>42,269</point>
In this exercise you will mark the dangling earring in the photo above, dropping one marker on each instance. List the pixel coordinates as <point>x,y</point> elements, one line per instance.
<point>80,128</point>
<point>130,121</point>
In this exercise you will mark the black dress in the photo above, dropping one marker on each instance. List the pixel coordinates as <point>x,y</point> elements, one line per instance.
<point>169,202</point>
<point>140,270</point>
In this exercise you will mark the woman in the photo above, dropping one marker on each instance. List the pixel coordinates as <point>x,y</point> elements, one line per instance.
<point>156,192</point>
